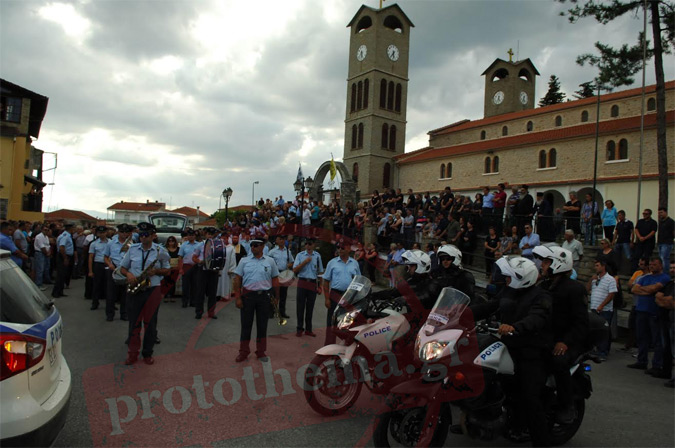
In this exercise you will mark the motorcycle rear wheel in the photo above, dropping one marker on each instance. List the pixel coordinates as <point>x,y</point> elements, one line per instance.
<point>560,434</point>
<point>327,400</point>
<point>383,436</point>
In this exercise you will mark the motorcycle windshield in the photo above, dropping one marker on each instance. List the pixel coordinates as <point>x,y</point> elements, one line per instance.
<point>357,291</point>
<point>446,313</point>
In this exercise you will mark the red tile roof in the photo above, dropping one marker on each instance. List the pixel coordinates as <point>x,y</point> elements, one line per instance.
<point>189,211</point>
<point>138,206</point>
<point>69,215</point>
<point>460,126</point>
<point>551,135</point>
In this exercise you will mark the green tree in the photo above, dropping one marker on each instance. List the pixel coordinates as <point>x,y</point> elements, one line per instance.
<point>617,66</point>
<point>586,90</point>
<point>554,95</point>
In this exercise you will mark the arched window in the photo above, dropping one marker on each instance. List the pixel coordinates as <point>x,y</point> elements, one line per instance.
<point>383,94</point>
<point>651,104</point>
<point>365,23</point>
<point>500,74</point>
<point>385,136</point>
<point>558,121</point>
<point>614,112</point>
<point>495,164</point>
<point>399,93</point>
<point>354,134</point>
<point>359,96</point>
<point>360,142</point>
<point>542,159</point>
<point>442,170</point>
<point>530,126</point>
<point>386,175</point>
<point>366,92</point>
<point>393,22</point>
<point>524,75</point>
<point>505,130</point>
<point>355,172</point>
<point>584,116</point>
<point>390,96</point>
<point>448,171</point>
<point>488,165</point>
<point>623,149</point>
<point>611,150</point>
<point>552,158</point>
<point>352,108</point>
<point>482,135</point>
<point>392,137</point>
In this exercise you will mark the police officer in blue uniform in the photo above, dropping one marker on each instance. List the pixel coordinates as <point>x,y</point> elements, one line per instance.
<point>339,274</point>
<point>284,260</point>
<point>64,259</point>
<point>186,264</point>
<point>97,266</point>
<point>146,261</point>
<point>113,258</point>
<point>253,282</point>
<point>307,266</point>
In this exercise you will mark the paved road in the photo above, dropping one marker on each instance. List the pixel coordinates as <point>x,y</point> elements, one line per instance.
<point>627,407</point>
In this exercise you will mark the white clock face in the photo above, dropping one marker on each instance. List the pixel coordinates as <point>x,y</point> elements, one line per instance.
<point>498,98</point>
<point>523,98</point>
<point>361,53</point>
<point>392,52</point>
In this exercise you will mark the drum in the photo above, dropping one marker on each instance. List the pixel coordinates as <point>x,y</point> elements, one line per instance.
<point>286,277</point>
<point>214,254</point>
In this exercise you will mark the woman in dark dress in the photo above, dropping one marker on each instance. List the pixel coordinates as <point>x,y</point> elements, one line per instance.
<point>468,239</point>
<point>172,247</point>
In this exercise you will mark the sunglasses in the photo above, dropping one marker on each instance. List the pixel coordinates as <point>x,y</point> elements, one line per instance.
<point>256,244</point>
<point>142,234</point>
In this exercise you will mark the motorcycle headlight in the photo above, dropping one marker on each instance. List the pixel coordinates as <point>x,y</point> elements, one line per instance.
<point>347,320</point>
<point>431,351</point>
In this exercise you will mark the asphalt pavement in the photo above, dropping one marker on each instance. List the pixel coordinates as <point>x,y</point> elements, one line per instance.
<point>627,408</point>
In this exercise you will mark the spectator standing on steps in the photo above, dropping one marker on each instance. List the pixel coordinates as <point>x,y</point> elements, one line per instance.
<point>602,287</point>
<point>665,237</point>
<point>645,237</point>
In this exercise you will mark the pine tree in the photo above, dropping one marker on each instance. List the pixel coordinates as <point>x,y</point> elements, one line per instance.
<point>554,95</point>
<point>617,67</point>
<point>587,90</point>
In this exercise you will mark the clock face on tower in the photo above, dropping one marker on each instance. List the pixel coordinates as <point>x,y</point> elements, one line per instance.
<point>523,98</point>
<point>498,97</point>
<point>361,53</point>
<point>392,52</point>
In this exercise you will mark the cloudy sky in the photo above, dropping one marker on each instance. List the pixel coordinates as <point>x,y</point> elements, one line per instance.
<point>176,100</point>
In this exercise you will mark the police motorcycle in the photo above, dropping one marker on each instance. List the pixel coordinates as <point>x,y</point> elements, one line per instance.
<point>372,350</point>
<point>464,366</point>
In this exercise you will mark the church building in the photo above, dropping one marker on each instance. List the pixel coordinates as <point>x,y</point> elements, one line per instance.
<point>552,148</point>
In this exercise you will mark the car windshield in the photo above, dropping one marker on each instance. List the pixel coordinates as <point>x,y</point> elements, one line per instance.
<point>21,302</point>
<point>446,313</point>
<point>168,223</point>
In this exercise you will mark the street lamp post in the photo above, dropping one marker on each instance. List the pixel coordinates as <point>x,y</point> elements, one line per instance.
<point>253,192</point>
<point>227,194</point>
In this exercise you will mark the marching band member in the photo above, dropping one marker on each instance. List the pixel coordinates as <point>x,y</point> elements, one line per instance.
<point>185,266</point>
<point>307,266</point>
<point>97,265</point>
<point>284,260</point>
<point>114,253</point>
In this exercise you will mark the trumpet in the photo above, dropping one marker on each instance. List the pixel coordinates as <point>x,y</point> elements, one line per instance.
<point>277,314</point>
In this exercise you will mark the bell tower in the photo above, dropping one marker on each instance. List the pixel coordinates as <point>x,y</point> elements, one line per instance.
<point>509,86</point>
<point>377,91</point>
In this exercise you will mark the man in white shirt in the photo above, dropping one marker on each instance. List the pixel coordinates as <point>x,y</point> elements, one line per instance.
<point>573,246</point>
<point>42,254</point>
<point>602,287</point>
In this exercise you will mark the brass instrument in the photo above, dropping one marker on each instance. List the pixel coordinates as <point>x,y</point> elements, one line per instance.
<point>277,314</point>
<point>127,243</point>
<point>118,277</point>
<point>143,280</point>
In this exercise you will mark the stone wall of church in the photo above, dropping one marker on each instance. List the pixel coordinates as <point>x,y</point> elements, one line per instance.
<point>520,165</point>
<point>628,107</point>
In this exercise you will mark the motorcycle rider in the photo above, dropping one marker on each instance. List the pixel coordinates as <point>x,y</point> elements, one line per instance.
<point>570,323</point>
<point>451,274</point>
<point>417,284</point>
<point>524,311</point>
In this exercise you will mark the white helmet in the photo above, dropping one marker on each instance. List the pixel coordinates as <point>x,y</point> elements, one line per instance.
<point>561,259</point>
<point>418,258</point>
<point>452,252</point>
<point>523,272</point>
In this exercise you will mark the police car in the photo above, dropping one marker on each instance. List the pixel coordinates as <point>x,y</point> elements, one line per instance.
<point>35,385</point>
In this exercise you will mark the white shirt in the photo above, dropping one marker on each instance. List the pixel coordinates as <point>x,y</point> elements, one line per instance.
<point>575,247</point>
<point>601,288</point>
<point>41,241</point>
<point>306,217</point>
